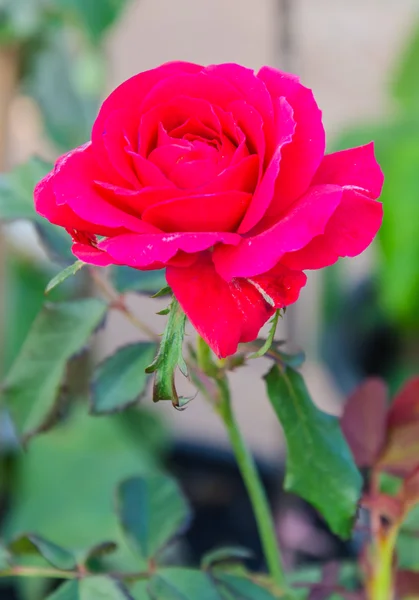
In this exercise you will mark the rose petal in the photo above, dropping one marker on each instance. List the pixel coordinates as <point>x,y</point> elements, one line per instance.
<point>92,255</point>
<point>191,174</point>
<point>252,89</point>
<point>140,251</point>
<point>253,309</point>
<point>223,314</point>
<point>148,173</point>
<point>199,85</point>
<point>280,286</point>
<point>172,116</point>
<point>166,156</point>
<point>129,95</point>
<point>356,168</point>
<point>115,140</point>
<point>241,177</point>
<point>304,220</point>
<point>265,190</point>
<point>302,157</point>
<point>253,127</point>
<point>46,205</point>
<point>206,213</point>
<point>73,184</point>
<point>349,232</point>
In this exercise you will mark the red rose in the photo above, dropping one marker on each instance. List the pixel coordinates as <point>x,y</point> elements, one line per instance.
<point>219,175</point>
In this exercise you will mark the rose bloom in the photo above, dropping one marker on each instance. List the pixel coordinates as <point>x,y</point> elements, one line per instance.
<point>219,175</point>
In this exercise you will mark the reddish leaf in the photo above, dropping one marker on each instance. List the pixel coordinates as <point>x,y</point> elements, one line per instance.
<point>407,584</point>
<point>401,453</point>
<point>364,421</point>
<point>405,407</point>
<point>410,489</point>
<point>388,507</point>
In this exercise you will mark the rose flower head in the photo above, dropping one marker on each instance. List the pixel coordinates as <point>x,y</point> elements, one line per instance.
<point>220,176</point>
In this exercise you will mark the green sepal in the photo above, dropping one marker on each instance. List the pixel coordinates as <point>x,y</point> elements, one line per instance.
<point>169,358</point>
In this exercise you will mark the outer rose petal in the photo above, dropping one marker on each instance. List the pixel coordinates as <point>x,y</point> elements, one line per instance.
<point>356,168</point>
<point>280,285</point>
<point>223,314</point>
<point>46,205</point>
<point>141,251</point>
<point>91,255</point>
<point>349,232</point>
<point>198,85</point>
<point>306,219</point>
<point>73,184</point>
<point>301,158</point>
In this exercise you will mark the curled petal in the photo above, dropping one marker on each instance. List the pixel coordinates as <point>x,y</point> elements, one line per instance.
<point>91,255</point>
<point>355,168</point>
<point>265,190</point>
<point>280,286</point>
<point>61,214</point>
<point>300,159</point>
<point>73,184</point>
<point>140,251</point>
<point>349,232</point>
<point>306,219</point>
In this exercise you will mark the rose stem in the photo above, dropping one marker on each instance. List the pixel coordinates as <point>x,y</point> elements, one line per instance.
<point>254,488</point>
<point>247,466</point>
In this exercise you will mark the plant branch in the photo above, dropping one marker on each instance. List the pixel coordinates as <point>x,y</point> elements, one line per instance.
<point>118,303</point>
<point>51,573</point>
<point>20,571</point>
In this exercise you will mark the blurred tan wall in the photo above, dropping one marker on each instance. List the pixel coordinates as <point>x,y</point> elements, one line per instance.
<point>344,50</point>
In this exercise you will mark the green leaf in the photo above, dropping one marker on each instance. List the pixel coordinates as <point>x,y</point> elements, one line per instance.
<point>227,554</point>
<point>319,467</point>
<point>32,386</point>
<point>240,588</point>
<point>152,510</point>
<point>95,17</point>
<point>97,551</point>
<point>16,190</point>
<point>405,86</point>
<point>88,457</point>
<point>19,20</point>
<point>139,591</point>
<point>34,544</point>
<point>126,279</point>
<point>100,587</point>
<point>268,343</point>
<point>169,358</point>
<point>64,274</point>
<point>182,584</point>
<point>16,202</point>
<point>120,380</point>
<point>52,80</point>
